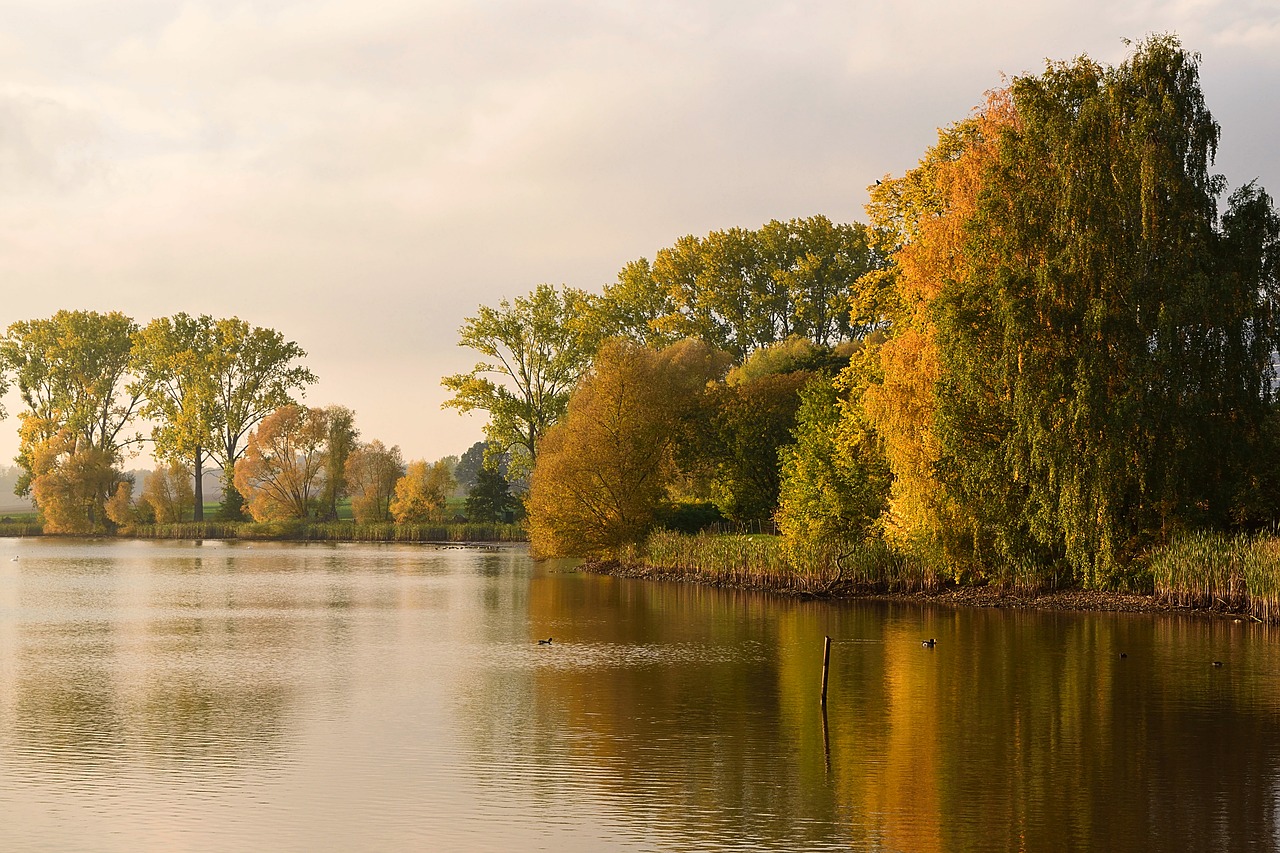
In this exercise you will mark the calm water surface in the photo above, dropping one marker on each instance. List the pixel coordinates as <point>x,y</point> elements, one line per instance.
<point>213,697</point>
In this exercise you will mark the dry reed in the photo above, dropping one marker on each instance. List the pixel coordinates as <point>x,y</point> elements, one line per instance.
<point>1220,572</point>
<point>768,562</point>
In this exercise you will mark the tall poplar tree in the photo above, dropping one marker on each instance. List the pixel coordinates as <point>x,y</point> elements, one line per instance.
<point>171,358</point>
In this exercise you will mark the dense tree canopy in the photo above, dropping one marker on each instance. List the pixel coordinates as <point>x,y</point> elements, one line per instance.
<point>206,383</point>
<point>739,290</point>
<point>1083,362</point>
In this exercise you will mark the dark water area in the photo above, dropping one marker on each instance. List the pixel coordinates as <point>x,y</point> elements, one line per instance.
<point>210,697</point>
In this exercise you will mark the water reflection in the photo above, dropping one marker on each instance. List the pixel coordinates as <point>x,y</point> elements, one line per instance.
<point>1017,731</point>
<point>204,697</point>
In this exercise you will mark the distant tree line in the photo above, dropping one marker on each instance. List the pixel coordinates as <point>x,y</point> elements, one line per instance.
<point>1053,349</point>
<point>211,389</point>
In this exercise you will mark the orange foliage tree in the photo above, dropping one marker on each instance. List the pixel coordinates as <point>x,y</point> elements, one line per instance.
<point>926,211</point>
<point>282,472</point>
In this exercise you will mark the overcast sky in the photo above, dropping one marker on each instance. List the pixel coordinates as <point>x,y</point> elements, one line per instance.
<point>363,175</point>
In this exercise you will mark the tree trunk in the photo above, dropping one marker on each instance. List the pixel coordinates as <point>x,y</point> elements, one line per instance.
<point>198,511</point>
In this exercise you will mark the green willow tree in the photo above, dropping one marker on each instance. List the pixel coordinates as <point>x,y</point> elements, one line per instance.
<point>1106,340</point>
<point>535,349</point>
<point>835,478</point>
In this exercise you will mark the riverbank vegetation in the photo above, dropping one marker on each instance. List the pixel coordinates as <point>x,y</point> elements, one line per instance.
<point>334,531</point>
<point>1048,361</point>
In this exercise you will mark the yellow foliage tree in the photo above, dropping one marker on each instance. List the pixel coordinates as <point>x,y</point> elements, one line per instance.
<point>604,471</point>
<point>120,507</point>
<point>69,481</point>
<point>421,493</point>
<point>170,493</point>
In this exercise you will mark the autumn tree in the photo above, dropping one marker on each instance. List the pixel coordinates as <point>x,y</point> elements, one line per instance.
<point>339,446</point>
<point>605,469</point>
<point>534,349</point>
<point>168,491</point>
<point>71,482</point>
<point>282,472</point>
<point>923,216</point>
<point>421,494</point>
<point>120,508</point>
<point>72,373</point>
<point>371,473</point>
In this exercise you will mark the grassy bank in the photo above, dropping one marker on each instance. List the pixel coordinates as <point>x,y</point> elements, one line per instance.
<point>15,527</point>
<point>1202,571</point>
<point>766,562</point>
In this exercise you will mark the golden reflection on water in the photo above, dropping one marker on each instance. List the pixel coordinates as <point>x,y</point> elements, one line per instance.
<point>214,697</point>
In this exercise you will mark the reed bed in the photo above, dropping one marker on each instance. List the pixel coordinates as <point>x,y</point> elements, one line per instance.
<point>1027,576</point>
<point>768,562</point>
<point>1220,572</point>
<point>18,528</point>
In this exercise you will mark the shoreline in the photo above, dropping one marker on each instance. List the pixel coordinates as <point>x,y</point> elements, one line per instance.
<point>1061,600</point>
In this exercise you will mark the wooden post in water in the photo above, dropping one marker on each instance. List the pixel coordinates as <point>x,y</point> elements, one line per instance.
<point>826,662</point>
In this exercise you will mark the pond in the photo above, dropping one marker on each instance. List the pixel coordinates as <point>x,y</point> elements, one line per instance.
<point>225,696</point>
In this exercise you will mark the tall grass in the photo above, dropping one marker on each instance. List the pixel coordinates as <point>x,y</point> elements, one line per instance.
<point>16,527</point>
<point>1217,571</point>
<point>767,562</point>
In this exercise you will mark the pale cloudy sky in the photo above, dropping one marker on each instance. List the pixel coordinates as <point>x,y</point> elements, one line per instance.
<point>362,175</point>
